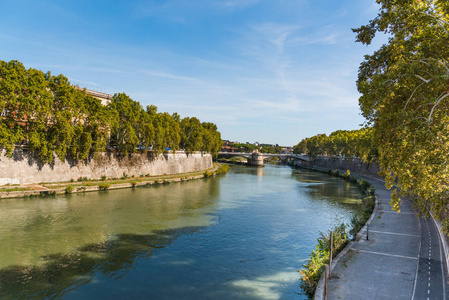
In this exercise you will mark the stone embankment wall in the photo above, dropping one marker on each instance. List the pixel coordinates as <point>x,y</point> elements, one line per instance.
<point>24,168</point>
<point>354,165</point>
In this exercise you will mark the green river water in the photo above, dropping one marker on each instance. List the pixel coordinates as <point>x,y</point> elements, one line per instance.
<point>239,236</point>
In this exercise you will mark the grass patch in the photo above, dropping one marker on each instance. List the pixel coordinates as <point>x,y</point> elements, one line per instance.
<point>14,189</point>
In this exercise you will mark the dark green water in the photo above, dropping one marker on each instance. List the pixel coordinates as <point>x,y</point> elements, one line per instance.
<point>240,236</point>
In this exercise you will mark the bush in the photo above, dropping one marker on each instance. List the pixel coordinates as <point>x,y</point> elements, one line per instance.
<point>69,189</point>
<point>125,176</point>
<point>364,185</point>
<point>207,174</point>
<point>134,183</point>
<point>103,178</point>
<point>313,269</point>
<point>335,173</point>
<point>222,169</point>
<point>104,186</point>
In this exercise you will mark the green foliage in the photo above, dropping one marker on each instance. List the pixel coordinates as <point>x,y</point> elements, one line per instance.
<point>134,183</point>
<point>349,143</point>
<point>53,117</point>
<point>69,189</point>
<point>222,169</point>
<point>271,149</point>
<point>244,147</point>
<point>404,87</point>
<point>314,267</point>
<point>104,186</point>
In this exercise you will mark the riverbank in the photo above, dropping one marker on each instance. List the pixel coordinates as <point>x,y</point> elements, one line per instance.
<point>85,185</point>
<point>313,274</point>
<point>394,258</point>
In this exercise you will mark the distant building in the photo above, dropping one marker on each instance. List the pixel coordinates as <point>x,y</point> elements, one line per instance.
<point>228,149</point>
<point>105,98</point>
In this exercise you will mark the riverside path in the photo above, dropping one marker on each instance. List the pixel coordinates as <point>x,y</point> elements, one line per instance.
<point>403,257</point>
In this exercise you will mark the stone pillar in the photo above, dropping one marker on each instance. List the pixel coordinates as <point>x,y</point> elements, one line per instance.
<point>256,160</point>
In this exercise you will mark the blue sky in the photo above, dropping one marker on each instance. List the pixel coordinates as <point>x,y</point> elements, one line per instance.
<point>272,71</point>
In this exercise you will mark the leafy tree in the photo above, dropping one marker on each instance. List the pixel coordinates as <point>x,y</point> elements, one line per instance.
<point>124,135</point>
<point>191,134</point>
<point>405,88</point>
<point>53,117</point>
<point>349,143</point>
<point>212,141</point>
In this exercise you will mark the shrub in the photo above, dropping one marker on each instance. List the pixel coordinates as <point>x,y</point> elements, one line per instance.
<point>125,176</point>
<point>353,179</point>
<point>222,169</point>
<point>207,174</point>
<point>103,178</point>
<point>313,269</point>
<point>69,189</point>
<point>335,173</point>
<point>346,175</point>
<point>364,185</point>
<point>134,183</point>
<point>104,186</point>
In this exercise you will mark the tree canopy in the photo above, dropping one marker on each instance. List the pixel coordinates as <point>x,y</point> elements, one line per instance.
<point>53,117</point>
<point>349,143</point>
<point>405,94</point>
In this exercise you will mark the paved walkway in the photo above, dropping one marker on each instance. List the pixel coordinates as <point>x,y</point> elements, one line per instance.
<point>402,259</point>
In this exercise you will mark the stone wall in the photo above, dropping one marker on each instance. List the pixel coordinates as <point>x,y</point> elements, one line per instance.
<point>352,164</point>
<point>24,168</point>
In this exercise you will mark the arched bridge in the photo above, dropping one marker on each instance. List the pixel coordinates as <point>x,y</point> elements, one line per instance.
<point>256,159</point>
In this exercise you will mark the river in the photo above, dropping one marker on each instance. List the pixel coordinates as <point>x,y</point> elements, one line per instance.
<point>239,236</point>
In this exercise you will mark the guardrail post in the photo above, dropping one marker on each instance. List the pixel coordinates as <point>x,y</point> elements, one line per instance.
<point>325,281</point>
<point>367,231</point>
<point>331,250</point>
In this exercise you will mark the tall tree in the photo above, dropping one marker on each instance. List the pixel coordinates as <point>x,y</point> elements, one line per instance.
<point>405,93</point>
<point>191,134</point>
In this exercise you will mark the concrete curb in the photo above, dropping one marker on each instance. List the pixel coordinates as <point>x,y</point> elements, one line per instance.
<point>444,241</point>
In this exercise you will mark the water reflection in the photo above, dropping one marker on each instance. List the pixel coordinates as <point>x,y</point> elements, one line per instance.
<point>33,228</point>
<point>242,236</point>
<point>328,188</point>
<point>63,272</point>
